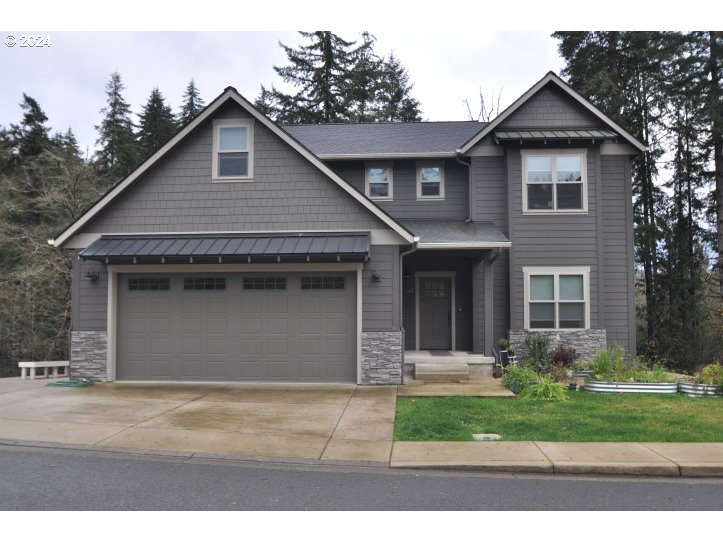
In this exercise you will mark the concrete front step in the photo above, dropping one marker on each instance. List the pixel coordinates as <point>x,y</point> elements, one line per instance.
<point>441,372</point>
<point>473,369</point>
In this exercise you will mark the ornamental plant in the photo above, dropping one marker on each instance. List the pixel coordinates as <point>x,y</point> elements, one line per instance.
<point>546,389</point>
<point>711,375</point>
<point>518,378</point>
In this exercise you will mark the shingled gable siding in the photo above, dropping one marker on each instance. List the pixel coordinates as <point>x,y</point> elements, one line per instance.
<point>287,193</point>
<point>489,204</point>
<point>405,204</point>
<point>552,108</point>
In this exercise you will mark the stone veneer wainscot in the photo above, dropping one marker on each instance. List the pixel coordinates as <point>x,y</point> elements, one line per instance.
<point>89,355</point>
<point>382,357</point>
<point>586,341</point>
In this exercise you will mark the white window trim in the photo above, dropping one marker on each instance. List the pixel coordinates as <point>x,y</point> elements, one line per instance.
<point>421,165</point>
<point>557,271</point>
<point>551,154</point>
<point>390,168</point>
<point>232,123</point>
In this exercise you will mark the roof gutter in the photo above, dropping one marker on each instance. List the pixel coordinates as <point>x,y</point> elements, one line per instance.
<point>469,185</point>
<point>414,248</point>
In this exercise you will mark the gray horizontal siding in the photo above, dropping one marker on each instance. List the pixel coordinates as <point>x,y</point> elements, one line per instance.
<point>287,193</point>
<point>89,299</point>
<point>552,108</point>
<point>380,300</point>
<point>550,240</point>
<point>405,205</point>
<point>489,204</point>
<point>617,251</point>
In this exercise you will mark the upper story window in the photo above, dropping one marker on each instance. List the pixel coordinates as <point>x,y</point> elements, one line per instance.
<point>557,297</point>
<point>430,180</point>
<point>233,150</point>
<point>554,181</point>
<point>379,177</point>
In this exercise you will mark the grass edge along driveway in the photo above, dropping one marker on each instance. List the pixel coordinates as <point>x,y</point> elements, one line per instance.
<point>586,417</point>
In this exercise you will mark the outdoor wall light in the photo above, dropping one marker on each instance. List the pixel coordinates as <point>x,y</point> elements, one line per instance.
<point>92,276</point>
<point>376,277</point>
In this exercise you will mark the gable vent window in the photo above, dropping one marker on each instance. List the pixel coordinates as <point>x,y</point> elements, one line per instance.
<point>136,285</point>
<point>204,283</point>
<point>232,150</point>
<point>264,283</point>
<point>322,283</point>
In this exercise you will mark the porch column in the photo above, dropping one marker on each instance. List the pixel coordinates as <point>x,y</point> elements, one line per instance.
<point>488,264</point>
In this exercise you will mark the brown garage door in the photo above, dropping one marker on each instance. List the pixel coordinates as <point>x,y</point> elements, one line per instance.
<point>285,327</point>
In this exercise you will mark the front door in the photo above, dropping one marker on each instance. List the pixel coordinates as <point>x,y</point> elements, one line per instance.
<point>435,313</point>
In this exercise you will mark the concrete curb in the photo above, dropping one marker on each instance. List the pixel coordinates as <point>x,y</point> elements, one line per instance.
<point>171,454</point>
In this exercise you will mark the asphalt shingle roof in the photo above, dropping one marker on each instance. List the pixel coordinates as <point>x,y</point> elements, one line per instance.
<point>394,138</point>
<point>454,231</point>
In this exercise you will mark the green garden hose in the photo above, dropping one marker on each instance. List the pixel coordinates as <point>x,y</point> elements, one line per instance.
<point>80,383</point>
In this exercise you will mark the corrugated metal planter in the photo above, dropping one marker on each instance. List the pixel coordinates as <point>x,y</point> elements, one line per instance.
<point>631,387</point>
<point>698,390</point>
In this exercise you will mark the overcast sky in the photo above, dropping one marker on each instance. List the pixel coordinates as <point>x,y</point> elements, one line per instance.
<point>68,78</point>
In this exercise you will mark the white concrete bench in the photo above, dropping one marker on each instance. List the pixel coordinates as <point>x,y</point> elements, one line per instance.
<point>45,365</point>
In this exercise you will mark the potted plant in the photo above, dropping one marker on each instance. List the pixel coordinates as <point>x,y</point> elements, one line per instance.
<point>512,355</point>
<point>707,381</point>
<point>503,344</point>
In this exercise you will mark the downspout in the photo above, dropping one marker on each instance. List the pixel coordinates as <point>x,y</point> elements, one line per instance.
<point>414,248</point>
<point>469,185</point>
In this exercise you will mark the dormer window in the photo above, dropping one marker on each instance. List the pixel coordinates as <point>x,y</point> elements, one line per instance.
<point>430,180</point>
<point>379,177</point>
<point>233,150</point>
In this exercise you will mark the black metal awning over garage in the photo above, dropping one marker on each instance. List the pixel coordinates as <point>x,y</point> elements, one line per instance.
<point>230,248</point>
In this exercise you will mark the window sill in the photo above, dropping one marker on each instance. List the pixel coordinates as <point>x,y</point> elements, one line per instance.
<point>555,213</point>
<point>536,329</point>
<point>232,180</point>
<point>430,198</point>
<point>380,199</point>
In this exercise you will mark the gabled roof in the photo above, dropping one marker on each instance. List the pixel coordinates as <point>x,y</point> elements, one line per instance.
<point>229,94</point>
<point>550,77</point>
<point>384,139</point>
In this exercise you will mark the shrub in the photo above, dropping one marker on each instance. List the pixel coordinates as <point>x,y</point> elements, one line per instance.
<point>711,375</point>
<point>538,358</point>
<point>559,373</point>
<point>564,355</point>
<point>608,363</point>
<point>546,389</point>
<point>503,343</point>
<point>519,378</point>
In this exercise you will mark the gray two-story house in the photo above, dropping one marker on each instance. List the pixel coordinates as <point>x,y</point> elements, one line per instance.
<point>247,251</point>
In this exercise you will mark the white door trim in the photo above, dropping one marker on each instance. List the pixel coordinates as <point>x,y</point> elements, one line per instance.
<point>453,302</point>
<point>115,270</point>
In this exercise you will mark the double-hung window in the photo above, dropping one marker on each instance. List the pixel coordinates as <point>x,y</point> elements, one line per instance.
<point>430,180</point>
<point>233,152</point>
<point>554,181</point>
<point>557,297</point>
<point>379,179</point>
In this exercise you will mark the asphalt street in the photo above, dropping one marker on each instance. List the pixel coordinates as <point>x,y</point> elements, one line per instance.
<point>56,479</point>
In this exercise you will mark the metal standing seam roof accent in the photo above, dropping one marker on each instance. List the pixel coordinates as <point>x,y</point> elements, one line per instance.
<point>555,134</point>
<point>353,244</point>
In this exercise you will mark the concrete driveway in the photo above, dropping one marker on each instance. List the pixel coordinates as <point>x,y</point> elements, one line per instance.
<point>308,422</point>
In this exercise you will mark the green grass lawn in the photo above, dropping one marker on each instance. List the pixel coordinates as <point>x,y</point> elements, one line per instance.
<point>586,417</point>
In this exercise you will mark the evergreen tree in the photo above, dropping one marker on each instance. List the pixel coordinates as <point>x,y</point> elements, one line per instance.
<point>67,143</point>
<point>395,95</point>
<point>362,98</point>
<point>156,126</point>
<point>30,138</point>
<point>118,152</point>
<point>192,104</point>
<point>320,71</point>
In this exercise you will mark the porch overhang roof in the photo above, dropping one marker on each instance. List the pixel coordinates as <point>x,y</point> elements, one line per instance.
<point>555,135</point>
<point>455,234</point>
<point>240,248</point>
